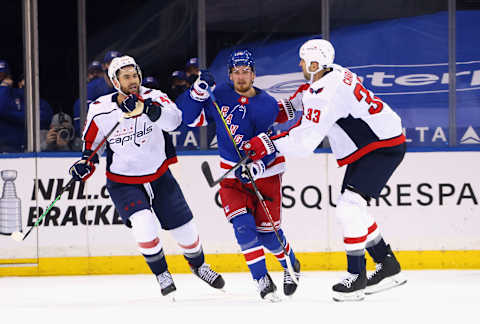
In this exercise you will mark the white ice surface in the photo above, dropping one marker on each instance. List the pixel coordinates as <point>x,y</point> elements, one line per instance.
<point>427,297</point>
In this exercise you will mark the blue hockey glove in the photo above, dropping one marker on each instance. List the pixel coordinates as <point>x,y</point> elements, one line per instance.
<point>82,170</point>
<point>199,91</point>
<point>152,110</point>
<point>256,169</point>
<point>129,104</point>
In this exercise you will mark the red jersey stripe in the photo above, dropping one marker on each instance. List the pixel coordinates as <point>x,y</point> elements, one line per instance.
<point>302,88</point>
<point>371,147</point>
<point>201,121</point>
<point>282,134</point>
<point>90,135</point>
<point>142,179</point>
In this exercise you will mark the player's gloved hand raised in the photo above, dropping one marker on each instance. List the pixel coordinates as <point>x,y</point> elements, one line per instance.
<point>199,91</point>
<point>259,146</point>
<point>152,109</point>
<point>256,170</point>
<point>130,106</point>
<point>82,170</point>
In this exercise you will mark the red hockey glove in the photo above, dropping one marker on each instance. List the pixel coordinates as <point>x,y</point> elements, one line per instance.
<point>259,146</point>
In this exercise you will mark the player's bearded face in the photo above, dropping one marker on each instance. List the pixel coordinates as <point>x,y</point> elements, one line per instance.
<point>242,78</point>
<point>129,80</point>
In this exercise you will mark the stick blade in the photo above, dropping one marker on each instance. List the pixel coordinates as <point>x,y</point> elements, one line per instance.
<point>207,173</point>
<point>17,236</point>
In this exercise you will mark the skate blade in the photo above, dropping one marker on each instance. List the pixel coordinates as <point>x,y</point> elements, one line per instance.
<point>386,284</point>
<point>272,297</point>
<point>358,295</point>
<point>170,296</point>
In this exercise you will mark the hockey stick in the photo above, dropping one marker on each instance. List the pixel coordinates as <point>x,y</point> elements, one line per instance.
<point>255,189</point>
<point>19,236</point>
<point>208,173</point>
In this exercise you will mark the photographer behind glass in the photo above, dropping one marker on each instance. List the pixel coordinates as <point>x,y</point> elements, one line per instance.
<point>61,135</point>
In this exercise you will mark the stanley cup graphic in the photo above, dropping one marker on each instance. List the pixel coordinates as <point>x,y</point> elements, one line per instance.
<point>10,206</point>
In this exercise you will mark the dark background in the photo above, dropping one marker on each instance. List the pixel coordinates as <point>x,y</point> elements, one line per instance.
<point>161,35</point>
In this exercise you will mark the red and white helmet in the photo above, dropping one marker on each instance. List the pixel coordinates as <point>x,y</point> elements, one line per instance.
<point>317,50</point>
<point>116,64</point>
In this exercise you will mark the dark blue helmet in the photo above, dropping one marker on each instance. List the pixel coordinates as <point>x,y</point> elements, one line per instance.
<point>150,82</point>
<point>242,57</point>
<point>110,55</point>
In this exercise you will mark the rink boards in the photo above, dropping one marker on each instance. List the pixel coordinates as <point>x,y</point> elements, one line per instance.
<point>429,212</point>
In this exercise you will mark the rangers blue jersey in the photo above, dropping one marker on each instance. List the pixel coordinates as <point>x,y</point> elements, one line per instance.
<point>245,117</point>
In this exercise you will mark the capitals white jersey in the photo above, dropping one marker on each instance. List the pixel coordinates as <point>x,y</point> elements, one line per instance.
<point>340,107</point>
<point>139,150</point>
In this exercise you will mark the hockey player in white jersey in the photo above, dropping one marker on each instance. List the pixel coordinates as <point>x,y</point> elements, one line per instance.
<point>366,135</point>
<point>139,152</point>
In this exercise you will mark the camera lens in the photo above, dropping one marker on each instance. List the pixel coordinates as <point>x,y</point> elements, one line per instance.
<point>64,134</point>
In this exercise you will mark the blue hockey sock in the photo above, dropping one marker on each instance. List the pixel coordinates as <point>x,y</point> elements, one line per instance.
<point>356,263</point>
<point>156,262</point>
<point>246,234</point>
<point>270,241</point>
<point>195,259</point>
<point>378,251</point>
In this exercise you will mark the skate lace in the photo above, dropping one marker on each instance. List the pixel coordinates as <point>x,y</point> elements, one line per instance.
<point>165,279</point>
<point>206,273</point>
<point>263,283</point>
<point>378,267</point>
<point>348,280</point>
<point>287,277</point>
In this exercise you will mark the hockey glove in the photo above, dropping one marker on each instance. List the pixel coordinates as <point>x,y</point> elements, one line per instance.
<point>152,110</point>
<point>286,111</point>
<point>256,170</point>
<point>131,106</point>
<point>82,170</point>
<point>259,146</point>
<point>199,91</point>
<point>129,103</point>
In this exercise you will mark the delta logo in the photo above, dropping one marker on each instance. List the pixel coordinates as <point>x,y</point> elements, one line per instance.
<point>470,137</point>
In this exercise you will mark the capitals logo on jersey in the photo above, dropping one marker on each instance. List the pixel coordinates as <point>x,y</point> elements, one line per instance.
<point>131,133</point>
<point>316,91</point>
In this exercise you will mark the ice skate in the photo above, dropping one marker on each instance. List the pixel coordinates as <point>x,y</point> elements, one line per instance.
<point>387,275</point>
<point>352,288</point>
<point>289,286</point>
<point>167,286</point>
<point>212,278</point>
<point>267,289</point>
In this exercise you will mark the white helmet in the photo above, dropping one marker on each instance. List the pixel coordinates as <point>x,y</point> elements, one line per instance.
<point>317,50</point>
<point>116,64</point>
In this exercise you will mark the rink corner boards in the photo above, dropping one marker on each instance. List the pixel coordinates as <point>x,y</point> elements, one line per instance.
<point>313,261</point>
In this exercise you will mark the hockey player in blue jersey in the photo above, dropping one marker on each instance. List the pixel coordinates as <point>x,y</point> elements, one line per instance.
<point>247,111</point>
<point>142,188</point>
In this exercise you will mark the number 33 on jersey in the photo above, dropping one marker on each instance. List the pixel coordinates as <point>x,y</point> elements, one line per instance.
<point>340,107</point>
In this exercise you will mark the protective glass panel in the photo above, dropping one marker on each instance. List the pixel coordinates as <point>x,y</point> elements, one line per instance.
<point>468,75</point>
<point>17,199</point>
<point>272,31</point>
<point>400,51</point>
